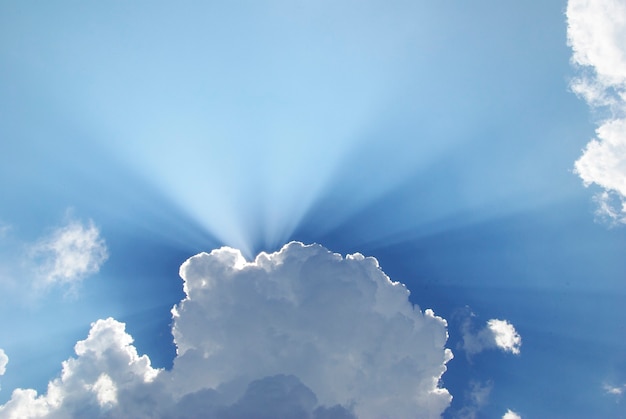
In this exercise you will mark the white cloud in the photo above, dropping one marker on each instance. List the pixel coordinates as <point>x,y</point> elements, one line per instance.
<point>70,253</point>
<point>511,415</point>
<point>615,391</point>
<point>300,333</point>
<point>495,334</point>
<point>4,360</point>
<point>505,335</point>
<point>596,33</point>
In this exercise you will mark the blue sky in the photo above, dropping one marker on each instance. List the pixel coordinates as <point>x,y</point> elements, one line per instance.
<point>451,142</point>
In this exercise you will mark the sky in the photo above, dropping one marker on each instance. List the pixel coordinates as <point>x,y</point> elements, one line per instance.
<point>308,209</point>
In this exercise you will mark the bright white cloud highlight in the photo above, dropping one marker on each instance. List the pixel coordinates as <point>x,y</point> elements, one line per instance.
<point>300,333</point>
<point>511,415</point>
<point>70,253</point>
<point>497,333</point>
<point>596,33</point>
<point>4,360</point>
<point>505,335</point>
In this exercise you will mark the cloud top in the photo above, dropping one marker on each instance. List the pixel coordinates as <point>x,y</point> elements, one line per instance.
<point>596,32</point>
<point>70,253</point>
<point>302,332</point>
<point>511,415</point>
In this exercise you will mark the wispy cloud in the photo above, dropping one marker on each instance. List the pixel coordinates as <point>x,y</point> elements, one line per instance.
<point>617,391</point>
<point>596,33</point>
<point>70,253</point>
<point>300,333</point>
<point>4,229</point>
<point>476,397</point>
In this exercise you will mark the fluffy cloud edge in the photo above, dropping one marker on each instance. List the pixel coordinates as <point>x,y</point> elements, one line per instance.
<point>595,32</point>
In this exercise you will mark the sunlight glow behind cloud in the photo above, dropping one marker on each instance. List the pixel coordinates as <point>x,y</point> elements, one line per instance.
<point>596,33</point>
<point>302,332</point>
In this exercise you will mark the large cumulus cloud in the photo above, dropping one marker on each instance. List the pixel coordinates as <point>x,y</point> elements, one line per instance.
<point>302,332</point>
<point>596,32</point>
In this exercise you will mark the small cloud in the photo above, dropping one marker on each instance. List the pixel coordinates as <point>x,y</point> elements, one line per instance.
<point>615,391</point>
<point>611,208</point>
<point>4,360</point>
<point>70,253</point>
<point>505,335</point>
<point>496,333</point>
<point>511,415</point>
<point>596,32</point>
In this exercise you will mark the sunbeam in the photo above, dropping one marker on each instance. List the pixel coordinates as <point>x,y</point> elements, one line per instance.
<point>175,180</point>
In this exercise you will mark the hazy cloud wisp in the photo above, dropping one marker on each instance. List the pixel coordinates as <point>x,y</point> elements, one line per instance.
<point>70,253</point>
<point>615,390</point>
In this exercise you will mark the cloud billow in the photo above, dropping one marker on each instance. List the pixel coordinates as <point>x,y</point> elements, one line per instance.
<point>302,332</point>
<point>596,33</point>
